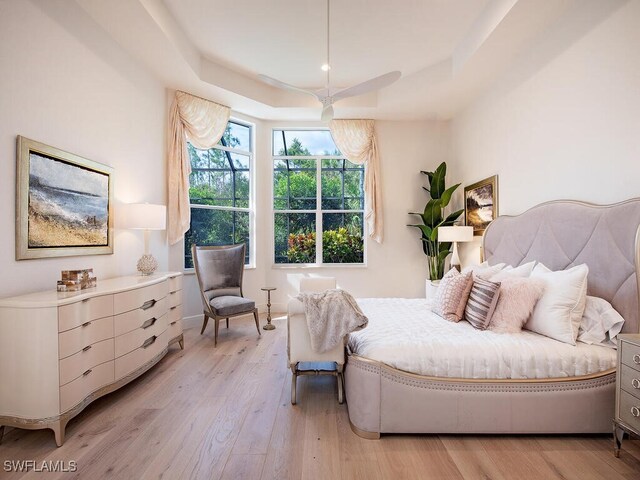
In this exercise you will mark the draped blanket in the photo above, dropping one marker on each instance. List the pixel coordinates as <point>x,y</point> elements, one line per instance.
<point>331,315</point>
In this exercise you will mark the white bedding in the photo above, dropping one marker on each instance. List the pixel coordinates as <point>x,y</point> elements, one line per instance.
<point>406,335</point>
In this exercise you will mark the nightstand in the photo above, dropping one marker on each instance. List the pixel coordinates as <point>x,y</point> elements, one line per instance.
<point>627,417</point>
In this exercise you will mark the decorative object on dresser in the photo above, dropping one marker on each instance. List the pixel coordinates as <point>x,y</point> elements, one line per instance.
<point>433,218</point>
<point>146,216</point>
<point>73,280</point>
<point>61,351</point>
<point>63,203</point>
<point>481,204</point>
<point>269,325</point>
<point>219,271</point>
<point>455,234</point>
<point>627,389</point>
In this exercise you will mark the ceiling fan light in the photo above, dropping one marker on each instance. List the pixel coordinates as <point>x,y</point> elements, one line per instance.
<point>325,67</point>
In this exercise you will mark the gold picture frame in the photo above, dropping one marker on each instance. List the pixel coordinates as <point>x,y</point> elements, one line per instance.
<point>64,203</point>
<point>481,204</point>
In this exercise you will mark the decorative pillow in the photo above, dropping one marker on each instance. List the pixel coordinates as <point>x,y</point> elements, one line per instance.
<point>452,295</point>
<point>600,324</point>
<point>482,302</point>
<point>523,271</point>
<point>518,297</point>
<point>558,312</point>
<point>484,270</point>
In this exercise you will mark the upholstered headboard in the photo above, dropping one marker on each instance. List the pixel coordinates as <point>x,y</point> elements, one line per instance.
<point>563,233</point>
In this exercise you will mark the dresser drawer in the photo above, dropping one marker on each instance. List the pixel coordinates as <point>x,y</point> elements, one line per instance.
<point>75,365</point>
<point>137,358</point>
<point>175,313</point>
<point>629,410</point>
<point>175,329</point>
<point>175,283</point>
<point>630,380</point>
<point>139,298</point>
<point>75,314</point>
<point>94,331</point>
<point>126,322</point>
<point>630,355</point>
<point>91,380</point>
<point>136,338</point>
<point>175,298</point>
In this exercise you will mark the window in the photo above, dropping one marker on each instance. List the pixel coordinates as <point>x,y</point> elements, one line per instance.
<point>318,200</point>
<point>220,192</point>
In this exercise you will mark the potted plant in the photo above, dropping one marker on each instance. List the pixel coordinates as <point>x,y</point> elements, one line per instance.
<point>433,217</point>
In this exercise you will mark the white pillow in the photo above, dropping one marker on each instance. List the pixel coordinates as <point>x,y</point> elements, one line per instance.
<point>600,324</point>
<point>484,270</point>
<point>559,311</point>
<point>523,271</point>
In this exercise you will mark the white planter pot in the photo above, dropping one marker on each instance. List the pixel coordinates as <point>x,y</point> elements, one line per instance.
<point>431,287</point>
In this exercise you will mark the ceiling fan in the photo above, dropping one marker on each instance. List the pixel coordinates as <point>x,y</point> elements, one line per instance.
<point>325,96</point>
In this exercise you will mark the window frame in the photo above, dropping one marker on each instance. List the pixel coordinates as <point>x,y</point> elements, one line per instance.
<point>319,211</point>
<point>251,209</point>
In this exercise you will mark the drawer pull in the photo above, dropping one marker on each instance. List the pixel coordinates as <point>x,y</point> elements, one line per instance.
<point>149,322</point>
<point>86,324</point>
<point>635,383</point>
<point>174,307</point>
<point>635,411</point>
<point>150,303</point>
<point>87,373</point>
<point>149,341</point>
<point>636,359</point>
<point>173,323</point>
<point>87,348</point>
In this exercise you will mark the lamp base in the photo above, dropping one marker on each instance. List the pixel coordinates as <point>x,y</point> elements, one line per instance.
<point>147,264</point>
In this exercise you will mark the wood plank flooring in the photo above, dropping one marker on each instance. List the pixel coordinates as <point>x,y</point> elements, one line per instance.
<point>224,413</point>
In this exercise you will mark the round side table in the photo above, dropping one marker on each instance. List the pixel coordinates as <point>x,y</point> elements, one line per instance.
<point>269,325</point>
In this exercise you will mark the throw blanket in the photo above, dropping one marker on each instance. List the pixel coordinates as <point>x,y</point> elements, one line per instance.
<point>330,316</point>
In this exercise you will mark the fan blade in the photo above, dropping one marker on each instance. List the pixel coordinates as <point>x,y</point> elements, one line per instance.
<point>368,86</point>
<point>285,86</point>
<point>327,113</point>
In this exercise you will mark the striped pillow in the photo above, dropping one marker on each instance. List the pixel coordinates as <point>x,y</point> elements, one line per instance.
<point>482,302</point>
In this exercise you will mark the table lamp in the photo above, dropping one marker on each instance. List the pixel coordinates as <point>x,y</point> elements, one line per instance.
<point>146,216</point>
<point>455,234</point>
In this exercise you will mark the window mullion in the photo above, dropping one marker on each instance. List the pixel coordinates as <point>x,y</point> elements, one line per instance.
<point>319,212</point>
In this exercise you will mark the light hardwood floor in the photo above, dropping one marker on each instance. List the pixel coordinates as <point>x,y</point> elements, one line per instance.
<point>224,412</point>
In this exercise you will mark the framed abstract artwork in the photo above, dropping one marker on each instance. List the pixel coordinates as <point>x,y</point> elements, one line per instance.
<point>481,204</point>
<point>64,203</point>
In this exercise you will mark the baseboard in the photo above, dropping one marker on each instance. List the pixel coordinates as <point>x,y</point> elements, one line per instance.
<point>277,310</point>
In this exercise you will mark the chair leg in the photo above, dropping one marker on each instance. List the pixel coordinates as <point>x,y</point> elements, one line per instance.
<point>204,323</point>
<point>227,323</point>
<point>216,326</point>
<point>255,316</point>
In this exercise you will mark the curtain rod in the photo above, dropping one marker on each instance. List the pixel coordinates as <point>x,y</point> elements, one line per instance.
<point>202,98</point>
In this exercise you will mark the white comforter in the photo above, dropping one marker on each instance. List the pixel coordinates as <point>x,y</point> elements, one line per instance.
<point>406,335</point>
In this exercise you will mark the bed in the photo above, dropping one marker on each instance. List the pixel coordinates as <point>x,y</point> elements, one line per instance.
<point>469,381</point>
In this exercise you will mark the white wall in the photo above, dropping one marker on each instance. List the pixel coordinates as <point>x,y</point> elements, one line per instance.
<point>81,93</point>
<point>564,122</point>
<point>397,267</point>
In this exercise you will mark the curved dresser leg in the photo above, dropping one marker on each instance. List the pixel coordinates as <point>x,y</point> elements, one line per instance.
<point>181,342</point>
<point>58,431</point>
<point>618,435</point>
<point>340,389</point>
<point>294,381</point>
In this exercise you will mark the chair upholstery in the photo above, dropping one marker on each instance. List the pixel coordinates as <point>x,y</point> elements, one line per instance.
<point>299,340</point>
<point>219,271</point>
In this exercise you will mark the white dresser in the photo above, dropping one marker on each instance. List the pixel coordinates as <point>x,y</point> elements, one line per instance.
<point>627,389</point>
<point>61,351</point>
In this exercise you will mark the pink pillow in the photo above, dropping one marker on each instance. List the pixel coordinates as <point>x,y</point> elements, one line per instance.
<point>452,295</point>
<point>518,298</point>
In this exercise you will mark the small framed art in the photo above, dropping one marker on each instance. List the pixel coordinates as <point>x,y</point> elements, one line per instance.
<point>64,203</point>
<point>481,204</point>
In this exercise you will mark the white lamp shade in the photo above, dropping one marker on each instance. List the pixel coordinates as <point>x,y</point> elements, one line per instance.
<point>145,216</point>
<point>455,234</point>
